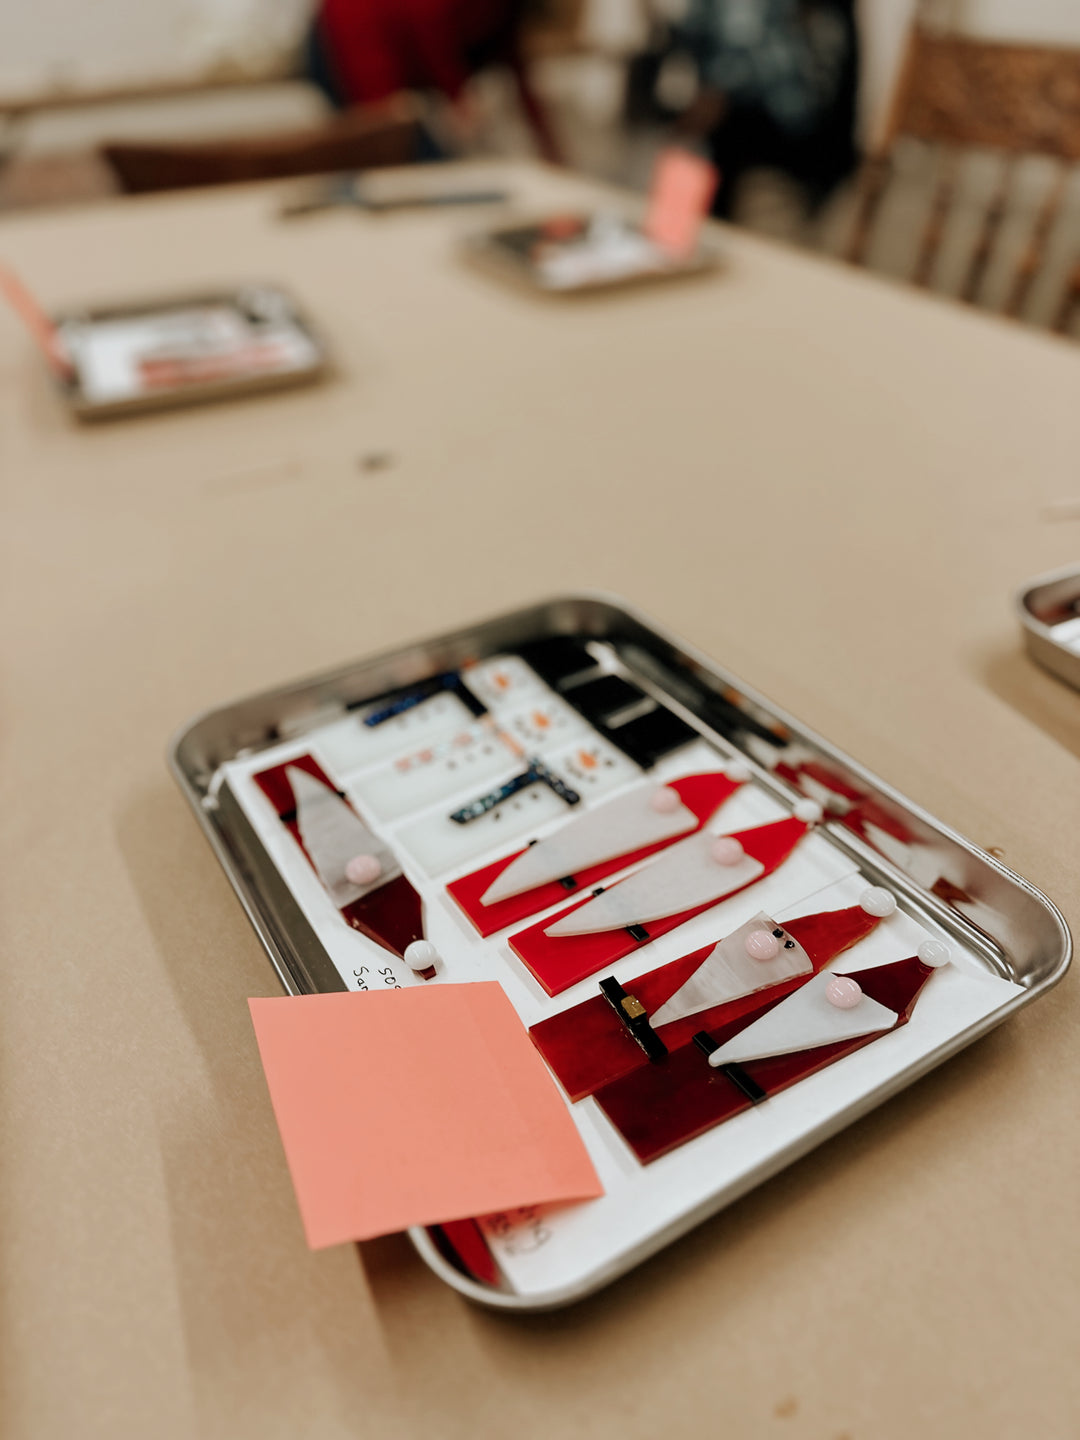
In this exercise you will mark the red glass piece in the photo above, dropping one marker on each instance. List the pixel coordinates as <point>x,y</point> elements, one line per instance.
<point>559,961</point>
<point>587,1047</point>
<point>465,1241</point>
<point>659,1107</point>
<point>703,794</point>
<point>391,914</point>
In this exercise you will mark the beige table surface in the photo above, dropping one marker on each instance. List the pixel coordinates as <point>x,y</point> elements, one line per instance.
<point>831,485</point>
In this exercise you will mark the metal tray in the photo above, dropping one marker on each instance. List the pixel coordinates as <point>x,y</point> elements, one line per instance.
<point>1013,930</point>
<point>1049,610</point>
<point>506,252</point>
<point>85,407</point>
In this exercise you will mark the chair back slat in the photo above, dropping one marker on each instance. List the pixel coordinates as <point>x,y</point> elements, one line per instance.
<point>934,230</point>
<point>1031,258</point>
<point>873,182</point>
<point>988,233</point>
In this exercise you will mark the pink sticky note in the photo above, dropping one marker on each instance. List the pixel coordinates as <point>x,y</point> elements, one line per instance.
<point>683,186</point>
<point>412,1107</point>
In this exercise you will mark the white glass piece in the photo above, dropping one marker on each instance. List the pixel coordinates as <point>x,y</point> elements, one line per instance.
<point>351,745</point>
<point>333,834</point>
<point>592,766</point>
<point>622,824</point>
<point>545,720</point>
<point>803,1021</point>
<point>680,879</point>
<point>470,757</point>
<point>437,844</point>
<point>504,680</point>
<point>729,971</point>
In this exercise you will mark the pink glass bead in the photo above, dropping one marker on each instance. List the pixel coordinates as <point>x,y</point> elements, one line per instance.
<point>363,870</point>
<point>664,800</point>
<point>760,945</point>
<point>726,850</point>
<point>843,992</point>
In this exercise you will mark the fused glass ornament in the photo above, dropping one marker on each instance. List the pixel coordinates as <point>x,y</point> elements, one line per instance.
<point>562,949</point>
<point>587,1047</point>
<point>805,1019</point>
<point>331,833</point>
<point>737,967</point>
<point>586,849</point>
<point>657,1108</point>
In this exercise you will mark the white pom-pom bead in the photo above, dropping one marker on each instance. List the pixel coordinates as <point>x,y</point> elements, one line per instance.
<point>664,800</point>
<point>739,771</point>
<point>808,811</point>
<point>421,955</point>
<point>934,953</point>
<point>877,901</point>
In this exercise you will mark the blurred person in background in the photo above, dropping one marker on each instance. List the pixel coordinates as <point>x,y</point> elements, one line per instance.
<point>363,52</point>
<point>778,86</point>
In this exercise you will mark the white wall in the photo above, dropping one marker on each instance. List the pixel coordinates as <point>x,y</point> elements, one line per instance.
<point>87,45</point>
<point>92,44</point>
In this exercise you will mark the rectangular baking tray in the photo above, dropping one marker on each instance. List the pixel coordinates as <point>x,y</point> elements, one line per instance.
<point>1049,610</point>
<point>86,407</point>
<point>952,887</point>
<point>506,253</point>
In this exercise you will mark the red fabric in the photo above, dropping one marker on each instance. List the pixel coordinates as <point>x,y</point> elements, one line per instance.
<point>380,47</point>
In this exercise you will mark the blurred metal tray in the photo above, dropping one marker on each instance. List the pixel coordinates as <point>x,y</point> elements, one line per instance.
<point>1049,610</point>
<point>509,252</point>
<point>85,407</point>
<point>1012,929</point>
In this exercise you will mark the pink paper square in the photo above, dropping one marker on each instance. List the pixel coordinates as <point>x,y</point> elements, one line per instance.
<point>413,1107</point>
<point>683,186</point>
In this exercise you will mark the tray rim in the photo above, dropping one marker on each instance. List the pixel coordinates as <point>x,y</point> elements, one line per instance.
<point>558,1297</point>
<point>1038,637</point>
<point>206,392</point>
<point>481,248</point>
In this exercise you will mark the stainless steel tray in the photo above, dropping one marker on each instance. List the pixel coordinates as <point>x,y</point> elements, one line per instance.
<point>85,407</point>
<point>1049,610</point>
<point>1015,932</point>
<point>502,252</point>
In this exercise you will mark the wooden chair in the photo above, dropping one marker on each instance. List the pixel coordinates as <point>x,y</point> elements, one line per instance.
<point>359,139</point>
<point>965,94</point>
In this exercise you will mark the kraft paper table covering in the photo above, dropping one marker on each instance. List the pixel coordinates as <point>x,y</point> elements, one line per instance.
<point>832,485</point>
